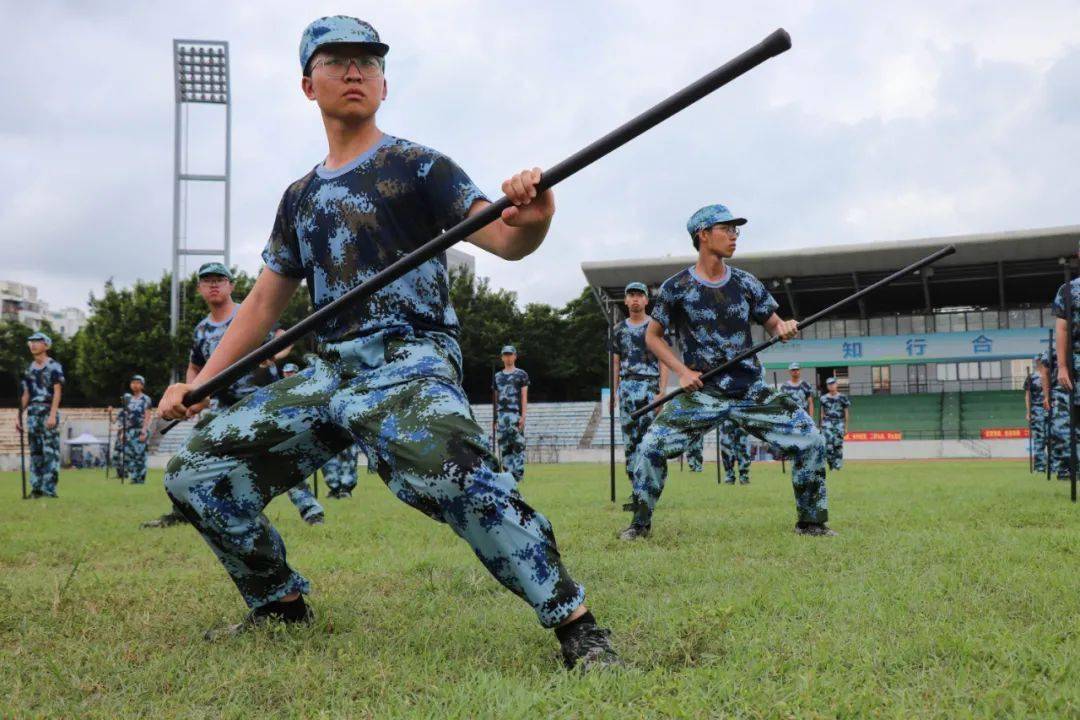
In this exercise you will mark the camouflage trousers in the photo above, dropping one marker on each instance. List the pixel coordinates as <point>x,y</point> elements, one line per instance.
<point>833,430</point>
<point>340,470</point>
<point>633,394</point>
<point>511,444</point>
<point>1037,437</point>
<point>134,458</point>
<point>44,447</point>
<point>767,414</point>
<point>735,450</point>
<point>695,454</point>
<point>1059,432</point>
<point>401,400</point>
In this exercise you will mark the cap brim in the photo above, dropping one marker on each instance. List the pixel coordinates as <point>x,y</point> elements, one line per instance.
<point>375,48</point>
<point>736,221</point>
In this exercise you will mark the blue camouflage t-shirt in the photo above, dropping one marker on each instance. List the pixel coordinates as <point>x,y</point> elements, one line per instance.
<point>135,410</point>
<point>802,392</point>
<point>832,407</point>
<point>634,358</point>
<point>508,390</point>
<point>39,381</point>
<point>711,321</point>
<point>1033,384</point>
<point>1059,311</point>
<point>337,228</point>
<point>207,337</point>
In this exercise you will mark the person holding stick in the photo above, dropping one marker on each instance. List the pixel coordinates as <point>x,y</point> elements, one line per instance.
<point>709,306</point>
<point>639,376</point>
<point>389,373</point>
<point>511,388</point>
<point>735,452</point>
<point>799,389</point>
<point>216,287</point>
<point>136,415</point>
<point>1036,415</point>
<point>835,415</point>
<point>1066,303</point>
<point>42,386</point>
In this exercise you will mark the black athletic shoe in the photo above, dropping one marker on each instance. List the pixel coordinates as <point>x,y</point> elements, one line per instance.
<point>635,531</point>
<point>587,647</point>
<point>35,494</point>
<point>258,618</point>
<point>316,519</point>
<point>343,494</point>
<point>166,520</point>
<point>814,529</point>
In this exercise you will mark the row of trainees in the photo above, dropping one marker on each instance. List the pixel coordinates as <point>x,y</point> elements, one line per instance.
<point>640,379</point>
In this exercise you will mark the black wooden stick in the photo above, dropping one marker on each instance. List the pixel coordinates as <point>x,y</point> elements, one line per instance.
<point>764,345</point>
<point>777,42</point>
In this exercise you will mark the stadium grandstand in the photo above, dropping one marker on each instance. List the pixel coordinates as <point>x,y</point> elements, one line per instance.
<point>937,356</point>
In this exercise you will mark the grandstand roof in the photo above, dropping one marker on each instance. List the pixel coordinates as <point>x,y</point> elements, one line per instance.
<point>1019,268</point>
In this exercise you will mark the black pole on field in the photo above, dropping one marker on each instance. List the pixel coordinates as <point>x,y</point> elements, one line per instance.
<point>108,445</point>
<point>718,455</point>
<point>1070,301</point>
<point>315,482</point>
<point>783,465</point>
<point>611,400</point>
<point>22,448</point>
<point>1051,354</point>
<point>494,416</point>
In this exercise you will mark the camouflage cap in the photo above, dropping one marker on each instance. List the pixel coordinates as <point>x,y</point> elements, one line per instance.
<point>337,29</point>
<point>793,366</point>
<point>140,378</point>
<point>637,287</point>
<point>289,367</point>
<point>40,337</point>
<point>830,381</point>
<point>711,215</point>
<point>214,268</point>
<point>509,350</point>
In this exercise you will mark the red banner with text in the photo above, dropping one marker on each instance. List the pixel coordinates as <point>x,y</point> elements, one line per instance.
<point>874,436</point>
<point>1005,433</point>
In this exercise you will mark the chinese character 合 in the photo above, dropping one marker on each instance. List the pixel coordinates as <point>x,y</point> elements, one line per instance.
<point>982,344</point>
<point>852,350</point>
<point>916,347</point>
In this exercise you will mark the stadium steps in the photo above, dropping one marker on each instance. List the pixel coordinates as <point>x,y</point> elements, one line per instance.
<point>561,424</point>
<point>175,439</point>
<point>991,409</point>
<point>916,416</point>
<point>590,429</point>
<point>950,415</point>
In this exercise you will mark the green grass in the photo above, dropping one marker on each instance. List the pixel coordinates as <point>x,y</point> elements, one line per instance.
<point>951,592</point>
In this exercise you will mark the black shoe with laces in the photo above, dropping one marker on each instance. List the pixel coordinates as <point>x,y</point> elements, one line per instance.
<point>275,612</point>
<point>635,531</point>
<point>166,520</point>
<point>585,646</point>
<point>814,529</point>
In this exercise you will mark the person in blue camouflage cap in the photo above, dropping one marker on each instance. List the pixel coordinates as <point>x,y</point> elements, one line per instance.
<point>1066,298</point>
<point>639,376</point>
<point>42,388</point>
<point>215,287</point>
<point>1036,415</point>
<point>135,417</point>
<point>388,375</point>
<point>709,307</point>
<point>695,454</point>
<point>835,415</point>
<point>799,389</point>
<point>735,451</point>
<point>510,387</point>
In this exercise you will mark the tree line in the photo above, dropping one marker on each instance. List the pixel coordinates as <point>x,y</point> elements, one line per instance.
<point>127,331</point>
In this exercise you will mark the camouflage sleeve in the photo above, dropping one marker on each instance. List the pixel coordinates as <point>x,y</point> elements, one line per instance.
<point>197,357</point>
<point>524,379</point>
<point>1059,302</point>
<point>449,191</point>
<point>57,375</point>
<point>282,251</point>
<point>847,401</point>
<point>1027,383</point>
<point>762,304</point>
<point>662,305</point>
<point>615,343</point>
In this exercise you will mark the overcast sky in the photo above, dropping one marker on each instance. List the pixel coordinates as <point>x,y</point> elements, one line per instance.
<point>884,122</point>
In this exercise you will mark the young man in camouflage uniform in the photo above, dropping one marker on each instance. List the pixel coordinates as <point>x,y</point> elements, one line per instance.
<point>511,388</point>
<point>735,451</point>
<point>215,287</point>
<point>1036,415</point>
<point>1056,406</point>
<point>639,376</point>
<point>42,385</point>
<point>1067,296</point>
<point>835,413</point>
<point>136,415</point>
<point>799,389</point>
<point>709,306</point>
<point>389,374</point>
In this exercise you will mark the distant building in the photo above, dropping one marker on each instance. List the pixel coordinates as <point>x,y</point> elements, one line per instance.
<point>20,303</point>
<point>457,260</point>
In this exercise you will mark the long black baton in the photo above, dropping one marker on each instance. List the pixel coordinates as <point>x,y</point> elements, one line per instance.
<point>1071,365</point>
<point>22,450</point>
<point>766,344</point>
<point>777,42</point>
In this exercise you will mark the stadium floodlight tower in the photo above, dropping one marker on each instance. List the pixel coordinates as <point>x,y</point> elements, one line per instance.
<point>200,76</point>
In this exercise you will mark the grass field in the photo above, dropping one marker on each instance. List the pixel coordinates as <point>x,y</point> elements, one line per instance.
<point>952,591</point>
